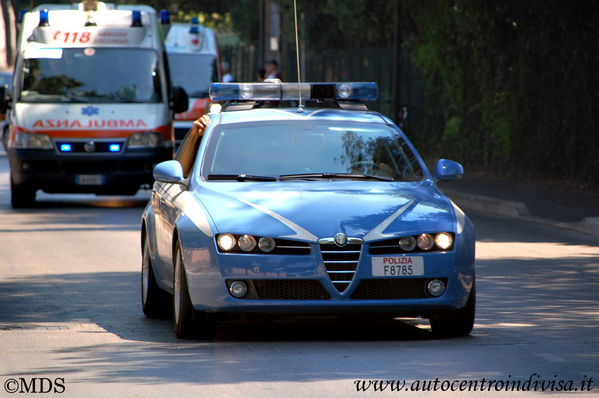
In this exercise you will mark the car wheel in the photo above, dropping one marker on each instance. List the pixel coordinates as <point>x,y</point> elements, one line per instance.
<point>154,301</point>
<point>459,322</point>
<point>187,322</point>
<point>21,195</point>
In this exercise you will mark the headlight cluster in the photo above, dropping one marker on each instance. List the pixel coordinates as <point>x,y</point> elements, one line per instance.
<point>245,243</point>
<point>33,141</point>
<point>426,242</point>
<point>144,140</point>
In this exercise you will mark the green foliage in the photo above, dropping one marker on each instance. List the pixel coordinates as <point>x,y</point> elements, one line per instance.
<point>519,83</point>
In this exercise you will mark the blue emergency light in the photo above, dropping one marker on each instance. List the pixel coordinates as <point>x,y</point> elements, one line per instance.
<point>114,147</point>
<point>65,148</point>
<point>136,18</point>
<point>277,91</point>
<point>195,25</point>
<point>44,17</point>
<point>165,17</point>
<point>22,13</point>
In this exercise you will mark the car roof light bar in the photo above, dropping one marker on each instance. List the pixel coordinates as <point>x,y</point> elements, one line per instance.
<point>276,91</point>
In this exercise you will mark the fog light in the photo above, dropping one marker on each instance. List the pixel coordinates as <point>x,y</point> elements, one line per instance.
<point>247,243</point>
<point>226,242</point>
<point>238,289</point>
<point>407,243</point>
<point>436,287</point>
<point>425,241</point>
<point>266,244</point>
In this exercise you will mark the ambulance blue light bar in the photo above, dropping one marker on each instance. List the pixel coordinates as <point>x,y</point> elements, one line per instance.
<point>65,147</point>
<point>195,25</point>
<point>271,91</point>
<point>136,18</point>
<point>44,17</point>
<point>165,17</point>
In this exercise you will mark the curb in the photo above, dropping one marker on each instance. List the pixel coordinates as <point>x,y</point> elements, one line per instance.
<point>487,204</point>
<point>514,209</point>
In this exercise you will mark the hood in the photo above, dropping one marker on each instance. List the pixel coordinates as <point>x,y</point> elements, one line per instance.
<point>313,210</point>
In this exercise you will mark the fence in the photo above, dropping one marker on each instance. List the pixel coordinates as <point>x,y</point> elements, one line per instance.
<point>400,84</point>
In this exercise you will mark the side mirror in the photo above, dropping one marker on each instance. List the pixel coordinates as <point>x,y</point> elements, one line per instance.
<point>448,170</point>
<point>180,99</point>
<point>169,171</point>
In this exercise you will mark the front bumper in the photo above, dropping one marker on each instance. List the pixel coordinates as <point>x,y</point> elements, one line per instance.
<point>301,284</point>
<point>55,172</point>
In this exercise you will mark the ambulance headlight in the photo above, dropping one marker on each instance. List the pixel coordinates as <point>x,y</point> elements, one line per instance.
<point>144,140</point>
<point>33,141</point>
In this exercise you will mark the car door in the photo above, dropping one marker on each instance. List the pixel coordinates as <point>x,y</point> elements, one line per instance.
<point>166,195</point>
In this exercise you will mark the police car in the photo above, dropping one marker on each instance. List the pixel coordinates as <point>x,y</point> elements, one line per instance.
<point>326,209</point>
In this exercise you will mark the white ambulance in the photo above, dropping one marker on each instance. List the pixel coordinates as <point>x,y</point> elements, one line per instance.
<point>92,103</point>
<point>193,60</point>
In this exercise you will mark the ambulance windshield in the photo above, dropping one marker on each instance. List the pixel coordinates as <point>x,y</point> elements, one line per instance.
<point>96,75</point>
<point>194,72</point>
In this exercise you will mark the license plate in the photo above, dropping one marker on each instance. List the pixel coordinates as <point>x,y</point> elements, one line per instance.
<point>89,179</point>
<point>398,266</point>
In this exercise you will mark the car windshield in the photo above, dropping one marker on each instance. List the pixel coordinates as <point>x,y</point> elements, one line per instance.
<point>104,75</point>
<point>194,72</point>
<point>309,150</point>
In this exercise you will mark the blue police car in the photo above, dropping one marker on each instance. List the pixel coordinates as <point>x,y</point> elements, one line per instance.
<point>326,209</point>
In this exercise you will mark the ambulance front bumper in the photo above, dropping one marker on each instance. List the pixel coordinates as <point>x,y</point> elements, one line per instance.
<point>54,172</point>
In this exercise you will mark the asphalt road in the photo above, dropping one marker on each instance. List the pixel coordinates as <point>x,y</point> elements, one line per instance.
<point>71,322</point>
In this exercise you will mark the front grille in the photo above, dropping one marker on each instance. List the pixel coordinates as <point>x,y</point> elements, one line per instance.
<point>341,263</point>
<point>285,289</point>
<point>392,289</point>
<point>89,167</point>
<point>99,147</point>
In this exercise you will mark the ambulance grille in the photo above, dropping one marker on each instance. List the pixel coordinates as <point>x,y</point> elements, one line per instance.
<point>341,263</point>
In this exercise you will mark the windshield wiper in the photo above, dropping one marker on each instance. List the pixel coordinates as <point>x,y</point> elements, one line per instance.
<point>240,177</point>
<point>333,175</point>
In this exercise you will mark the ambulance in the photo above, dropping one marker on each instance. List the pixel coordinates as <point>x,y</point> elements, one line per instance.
<point>92,103</point>
<point>193,59</point>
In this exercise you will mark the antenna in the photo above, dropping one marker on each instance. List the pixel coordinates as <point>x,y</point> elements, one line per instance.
<point>299,76</point>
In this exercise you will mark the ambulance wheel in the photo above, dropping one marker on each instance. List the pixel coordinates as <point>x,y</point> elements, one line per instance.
<point>21,195</point>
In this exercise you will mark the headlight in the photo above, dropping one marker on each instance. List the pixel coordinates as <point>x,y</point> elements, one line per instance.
<point>226,242</point>
<point>425,242</point>
<point>266,244</point>
<point>33,141</point>
<point>443,240</point>
<point>144,140</point>
<point>247,243</point>
<point>407,243</point>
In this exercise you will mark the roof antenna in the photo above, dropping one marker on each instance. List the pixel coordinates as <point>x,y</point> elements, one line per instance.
<point>300,108</point>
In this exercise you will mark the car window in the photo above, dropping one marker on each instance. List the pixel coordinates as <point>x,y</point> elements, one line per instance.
<point>299,147</point>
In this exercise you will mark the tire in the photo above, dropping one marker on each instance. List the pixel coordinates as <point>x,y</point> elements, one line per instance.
<point>186,322</point>
<point>459,322</point>
<point>21,196</point>
<point>154,301</point>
